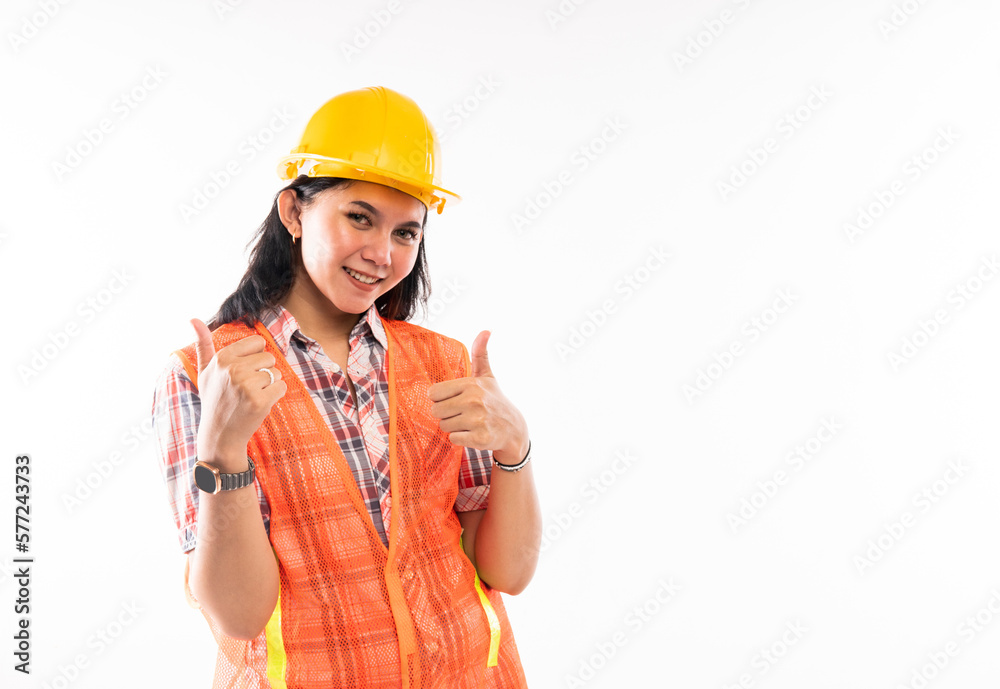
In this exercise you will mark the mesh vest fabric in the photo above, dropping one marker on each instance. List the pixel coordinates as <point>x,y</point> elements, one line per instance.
<point>352,613</point>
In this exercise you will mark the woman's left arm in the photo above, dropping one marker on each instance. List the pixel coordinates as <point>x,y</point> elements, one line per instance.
<point>503,541</point>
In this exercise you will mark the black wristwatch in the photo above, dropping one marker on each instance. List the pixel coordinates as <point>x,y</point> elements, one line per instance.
<point>211,480</point>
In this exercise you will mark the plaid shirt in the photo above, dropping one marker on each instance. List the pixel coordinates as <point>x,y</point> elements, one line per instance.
<point>362,431</point>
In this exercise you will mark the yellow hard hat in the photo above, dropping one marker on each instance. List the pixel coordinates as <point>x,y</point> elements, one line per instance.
<point>374,135</point>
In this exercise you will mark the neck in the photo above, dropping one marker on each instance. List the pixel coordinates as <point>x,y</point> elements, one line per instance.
<point>316,316</point>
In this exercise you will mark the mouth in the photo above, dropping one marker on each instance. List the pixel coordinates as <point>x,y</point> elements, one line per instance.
<point>362,278</point>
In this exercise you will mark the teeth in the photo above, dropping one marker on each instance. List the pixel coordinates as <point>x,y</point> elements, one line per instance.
<point>361,278</point>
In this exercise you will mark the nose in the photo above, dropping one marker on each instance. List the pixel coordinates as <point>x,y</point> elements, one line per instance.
<point>378,248</point>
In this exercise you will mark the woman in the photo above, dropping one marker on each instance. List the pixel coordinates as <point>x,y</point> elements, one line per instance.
<point>370,442</point>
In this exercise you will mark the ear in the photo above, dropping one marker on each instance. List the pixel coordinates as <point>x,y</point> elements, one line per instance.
<point>289,211</point>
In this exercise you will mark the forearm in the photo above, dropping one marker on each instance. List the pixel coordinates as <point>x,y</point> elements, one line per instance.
<point>233,573</point>
<point>509,536</point>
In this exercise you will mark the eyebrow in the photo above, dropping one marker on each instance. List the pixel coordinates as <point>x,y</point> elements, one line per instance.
<point>374,211</point>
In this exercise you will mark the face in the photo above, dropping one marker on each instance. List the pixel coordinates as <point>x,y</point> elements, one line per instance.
<point>358,242</point>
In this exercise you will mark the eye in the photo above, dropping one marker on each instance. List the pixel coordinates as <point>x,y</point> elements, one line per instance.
<point>359,217</point>
<point>408,234</point>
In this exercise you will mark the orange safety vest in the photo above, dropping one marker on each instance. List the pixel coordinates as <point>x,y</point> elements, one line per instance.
<point>350,612</point>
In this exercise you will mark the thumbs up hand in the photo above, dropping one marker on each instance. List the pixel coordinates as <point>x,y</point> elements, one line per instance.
<point>475,413</point>
<point>235,394</point>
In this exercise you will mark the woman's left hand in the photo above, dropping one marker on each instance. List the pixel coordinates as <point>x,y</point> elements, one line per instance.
<point>475,413</point>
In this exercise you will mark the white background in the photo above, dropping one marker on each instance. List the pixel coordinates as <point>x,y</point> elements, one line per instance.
<point>878,580</point>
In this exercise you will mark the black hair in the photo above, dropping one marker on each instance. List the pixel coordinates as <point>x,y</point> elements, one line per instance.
<point>273,261</point>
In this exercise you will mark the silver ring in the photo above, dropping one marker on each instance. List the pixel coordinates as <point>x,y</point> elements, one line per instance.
<point>268,372</point>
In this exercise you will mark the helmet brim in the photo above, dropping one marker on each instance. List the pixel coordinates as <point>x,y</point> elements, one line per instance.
<point>431,195</point>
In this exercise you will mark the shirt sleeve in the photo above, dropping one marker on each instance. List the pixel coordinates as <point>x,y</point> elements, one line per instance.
<point>474,480</point>
<point>176,412</point>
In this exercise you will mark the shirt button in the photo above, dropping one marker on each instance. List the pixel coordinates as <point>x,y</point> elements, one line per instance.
<point>335,367</point>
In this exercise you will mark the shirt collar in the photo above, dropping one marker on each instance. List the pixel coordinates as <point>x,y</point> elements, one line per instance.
<point>282,325</point>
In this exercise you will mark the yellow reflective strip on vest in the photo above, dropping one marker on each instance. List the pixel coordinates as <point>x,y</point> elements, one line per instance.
<point>491,616</point>
<point>276,658</point>
<point>494,625</point>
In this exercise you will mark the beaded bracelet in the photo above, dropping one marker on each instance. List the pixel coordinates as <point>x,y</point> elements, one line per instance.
<point>514,468</point>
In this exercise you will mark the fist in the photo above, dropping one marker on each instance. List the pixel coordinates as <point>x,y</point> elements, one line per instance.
<point>235,394</point>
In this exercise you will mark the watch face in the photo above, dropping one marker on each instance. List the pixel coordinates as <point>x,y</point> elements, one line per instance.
<point>204,478</point>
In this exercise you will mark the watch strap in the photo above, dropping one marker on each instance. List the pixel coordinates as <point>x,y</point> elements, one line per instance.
<point>232,481</point>
<point>236,480</point>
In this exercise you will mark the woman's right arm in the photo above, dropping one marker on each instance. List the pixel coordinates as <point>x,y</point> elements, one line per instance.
<point>233,574</point>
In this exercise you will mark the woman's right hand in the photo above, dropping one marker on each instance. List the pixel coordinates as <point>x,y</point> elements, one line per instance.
<point>236,395</point>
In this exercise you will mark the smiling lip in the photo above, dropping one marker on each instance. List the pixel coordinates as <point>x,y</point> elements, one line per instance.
<point>373,277</point>
<point>365,274</point>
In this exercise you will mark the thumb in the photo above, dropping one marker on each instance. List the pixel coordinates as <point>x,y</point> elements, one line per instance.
<point>480,361</point>
<point>204,346</point>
